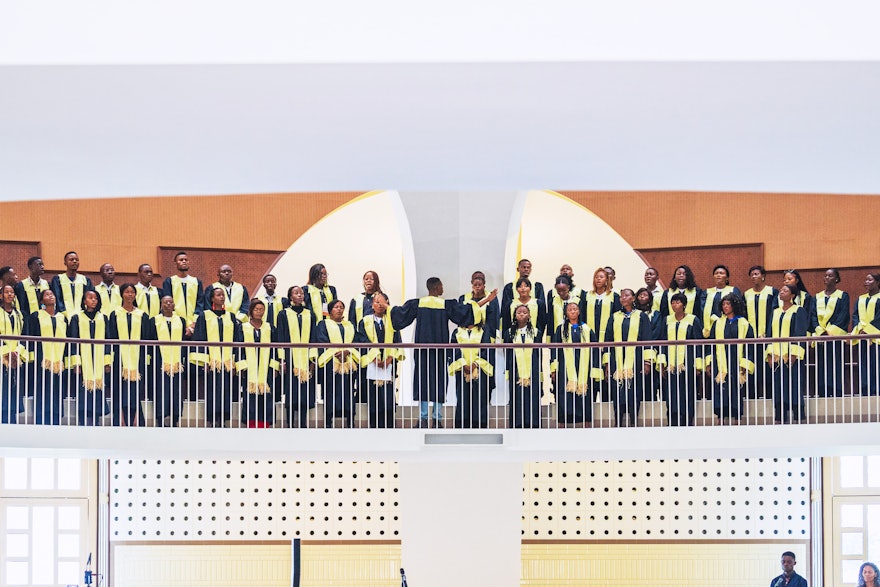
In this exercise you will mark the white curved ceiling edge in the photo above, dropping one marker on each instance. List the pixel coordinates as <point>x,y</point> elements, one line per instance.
<point>456,31</point>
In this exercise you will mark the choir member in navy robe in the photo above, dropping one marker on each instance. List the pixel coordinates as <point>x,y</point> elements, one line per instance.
<point>89,361</point>
<point>628,368</point>
<point>46,369</point>
<point>70,286</point>
<point>710,301</point>
<point>786,359</point>
<point>379,365</point>
<point>866,320</point>
<point>732,364</point>
<point>217,325</point>
<point>28,290</point>
<point>679,364</point>
<point>523,371</point>
<point>13,356</point>
<point>275,304</point>
<point>128,323</point>
<point>473,374</point>
<point>804,299</point>
<point>645,303</point>
<point>600,304</point>
<point>259,365</point>
<point>237,299</point>
<point>317,292</point>
<point>683,281</point>
<point>487,303</point>
<point>296,324</point>
<point>149,297</point>
<point>760,301</point>
<point>111,296</point>
<point>338,366</point>
<point>432,315</point>
<point>575,372</point>
<point>167,363</point>
<point>185,289</point>
<point>362,304</point>
<point>829,318</point>
<point>509,294</point>
<point>536,306</point>
<point>557,299</point>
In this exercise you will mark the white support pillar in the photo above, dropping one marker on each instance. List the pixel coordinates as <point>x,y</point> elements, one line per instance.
<point>461,523</point>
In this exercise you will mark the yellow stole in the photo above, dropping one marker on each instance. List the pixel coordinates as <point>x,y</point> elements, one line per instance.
<point>781,328</point>
<point>257,360</point>
<point>523,357</point>
<point>708,317</point>
<point>577,373</point>
<point>185,306</point>
<point>532,305</point>
<point>677,330</point>
<point>370,330</point>
<point>470,356</point>
<point>625,357</point>
<point>477,308</point>
<point>110,297</point>
<point>32,290</point>
<point>220,358</point>
<point>316,300</point>
<point>10,328</point>
<point>867,311</point>
<point>129,354</point>
<point>824,312</point>
<point>300,356</point>
<point>558,309</point>
<point>351,362</point>
<point>742,326</point>
<point>690,294</point>
<point>234,296</point>
<point>72,300</point>
<point>276,306</point>
<point>92,357</point>
<point>756,306</point>
<point>607,304</point>
<point>53,352</point>
<point>171,355</point>
<point>148,300</point>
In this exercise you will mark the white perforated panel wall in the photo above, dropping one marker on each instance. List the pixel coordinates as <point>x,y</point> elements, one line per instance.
<point>252,500</point>
<point>718,499</point>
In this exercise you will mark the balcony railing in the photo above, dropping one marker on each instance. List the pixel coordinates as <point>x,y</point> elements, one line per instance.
<point>689,383</point>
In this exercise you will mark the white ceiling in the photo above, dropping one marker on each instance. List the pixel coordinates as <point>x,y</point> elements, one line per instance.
<point>110,99</point>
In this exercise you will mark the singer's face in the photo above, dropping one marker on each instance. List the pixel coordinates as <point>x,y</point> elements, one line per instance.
<point>787,564</point>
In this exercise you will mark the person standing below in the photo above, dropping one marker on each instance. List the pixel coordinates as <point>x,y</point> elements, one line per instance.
<point>523,370</point>
<point>70,286</point>
<point>574,370</point>
<point>296,325</point>
<point>91,360</point>
<point>681,363</point>
<point>111,298</point>
<point>237,299</point>
<point>379,365</point>
<point>628,366</point>
<point>149,298</point>
<point>830,317</point>
<point>168,362</point>
<point>13,355</point>
<point>866,320</point>
<point>260,366</point>
<point>508,294</point>
<point>275,304</point>
<point>28,290</point>
<point>217,325</point>
<point>869,575</point>
<point>317,292</point>
<point>789,578</point>
<point>432,315</point>
<point>186,291</point>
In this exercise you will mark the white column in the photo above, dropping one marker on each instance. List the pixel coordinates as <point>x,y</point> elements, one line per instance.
<point>461,523</point>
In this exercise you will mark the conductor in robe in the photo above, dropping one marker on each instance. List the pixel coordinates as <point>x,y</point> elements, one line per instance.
<point>432,315</point>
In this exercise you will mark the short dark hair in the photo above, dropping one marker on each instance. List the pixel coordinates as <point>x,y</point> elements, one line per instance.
<point>126,286</point>
<point>4,270</point>
<point>759,268</point>
<point>678,297</point>
<point>254,304</point>
<point>70,253</point>
<point>333,303</point>
<point>179,253</point>
<point>788,553</point>
<point>432,283</point>
<point>142,265</point>
<point>82,304</point>
<point>32,260</point>
<point>523,280</point>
